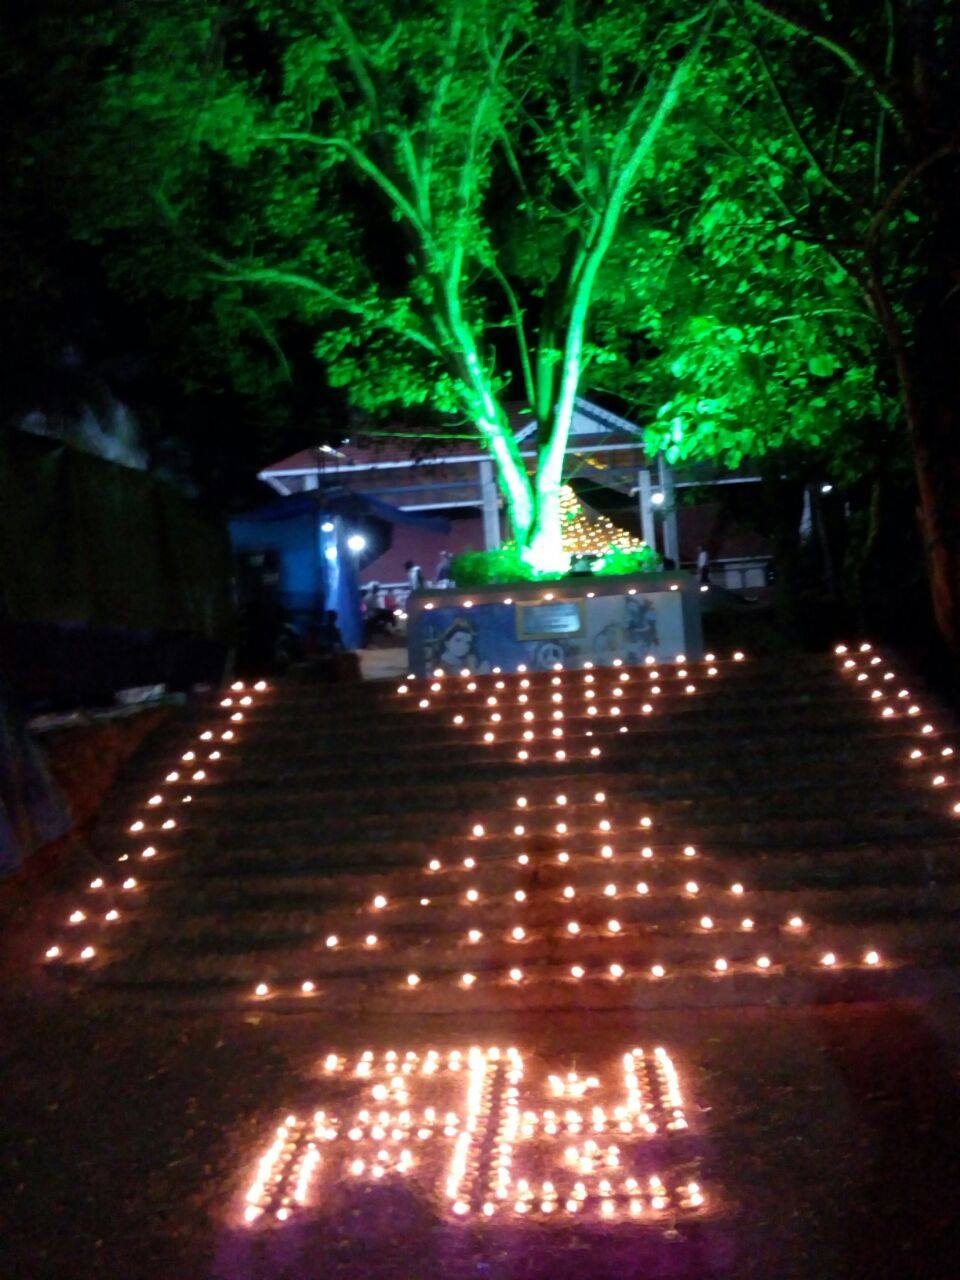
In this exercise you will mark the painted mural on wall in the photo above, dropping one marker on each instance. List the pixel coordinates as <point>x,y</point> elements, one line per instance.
<point>536,634</point>
<point>450,642</point>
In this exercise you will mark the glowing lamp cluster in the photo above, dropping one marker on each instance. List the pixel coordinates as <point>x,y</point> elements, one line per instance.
<point>553,873</point>
<point>569,715</point>
<point>489,1133</point>
<point>594,534</point>
<point>878,681</point>
<point>563,882</point>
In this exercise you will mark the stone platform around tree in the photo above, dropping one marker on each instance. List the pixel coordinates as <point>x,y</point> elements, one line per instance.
<point>533,626</point>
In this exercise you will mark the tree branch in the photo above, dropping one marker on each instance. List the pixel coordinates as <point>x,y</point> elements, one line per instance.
<point>415,176</point>
<point>439,98</point>
<point>270,338</point>
<point>237,273</point>
<point>896,193</point>
<point>358,61</point>
<point>517,315</point>
<point>823,36</point>
<point>364,164</point>
<point>466,187</point>
<point>794,124</point>
<point>551,464</point>
<point>881,115</point>
<point>555,138</point>
<point>849,312</point>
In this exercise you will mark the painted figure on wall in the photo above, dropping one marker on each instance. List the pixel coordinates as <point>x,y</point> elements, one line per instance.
<point>632,639</point>
<point>454,651</point>
<point>642,637</point>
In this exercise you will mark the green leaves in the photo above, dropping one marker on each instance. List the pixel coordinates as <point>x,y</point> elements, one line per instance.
<point>440,185</point>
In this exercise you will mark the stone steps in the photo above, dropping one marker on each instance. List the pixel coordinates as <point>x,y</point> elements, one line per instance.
<point>715,700</point>
<point>257,844</point>
<point>827,867</point>
<point>663,914</point>
<point>407,782</point>
<point>383,743</point>
<point>784,776</point>
<point>366,775</point>
<point>674,791</point>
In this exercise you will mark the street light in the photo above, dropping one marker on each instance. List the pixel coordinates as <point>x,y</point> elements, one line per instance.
<point>356,542</point>
<point>657,498</point>
<point>327,526</point>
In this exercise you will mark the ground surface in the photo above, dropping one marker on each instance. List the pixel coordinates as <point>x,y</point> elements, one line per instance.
<point>834,1135</point>
<point>129,1120</point>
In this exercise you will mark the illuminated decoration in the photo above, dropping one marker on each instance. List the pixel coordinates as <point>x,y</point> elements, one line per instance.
<point>489,1132</point>
<point>562,887</point>
<point>866,666</point>
<point>591,535</point>
<point>525,913</point>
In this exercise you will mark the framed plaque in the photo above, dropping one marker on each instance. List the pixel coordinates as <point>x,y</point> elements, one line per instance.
<point>544,620</point>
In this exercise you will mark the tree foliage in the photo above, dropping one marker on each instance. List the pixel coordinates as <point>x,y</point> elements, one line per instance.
<point>433,189</point>
<point>837,147</point>
<point>739,216</point>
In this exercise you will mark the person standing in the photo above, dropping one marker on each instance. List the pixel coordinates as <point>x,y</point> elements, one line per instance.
<point>703,566</point>
<point>414,576</point>
<point>442,577</point>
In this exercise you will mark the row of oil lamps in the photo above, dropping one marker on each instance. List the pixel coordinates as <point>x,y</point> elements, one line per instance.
<point>236,703</point>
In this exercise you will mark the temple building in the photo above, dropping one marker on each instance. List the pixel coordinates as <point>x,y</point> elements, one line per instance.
<point>675,510</point>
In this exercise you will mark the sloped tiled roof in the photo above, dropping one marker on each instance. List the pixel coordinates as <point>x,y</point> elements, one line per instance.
<point>372,452</point>
<point>390,450</point>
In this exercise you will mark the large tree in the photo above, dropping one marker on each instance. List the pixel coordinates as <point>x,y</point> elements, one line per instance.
<point>434,188</point>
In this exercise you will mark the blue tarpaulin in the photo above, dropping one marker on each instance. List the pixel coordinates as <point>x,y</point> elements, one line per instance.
<point>318,571</point>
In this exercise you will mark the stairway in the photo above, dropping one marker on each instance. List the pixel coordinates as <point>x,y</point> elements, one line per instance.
<point>722,832</point>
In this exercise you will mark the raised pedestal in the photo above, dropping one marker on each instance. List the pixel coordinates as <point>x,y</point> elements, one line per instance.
<point>578,620</point>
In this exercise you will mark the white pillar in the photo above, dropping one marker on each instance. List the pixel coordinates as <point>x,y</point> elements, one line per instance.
<point>671,538</point>
<point>648,526</point>
<point>311,480</point>
<point>491,507</point>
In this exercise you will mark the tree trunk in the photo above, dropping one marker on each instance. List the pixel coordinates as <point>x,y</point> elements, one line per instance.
<point>929,376</point>
<point>542,547</point>
<point>935,450</point>
<point>928,369</point>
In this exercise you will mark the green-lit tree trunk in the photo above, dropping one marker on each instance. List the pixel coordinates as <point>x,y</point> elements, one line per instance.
<point>543,548</point>
<point>535,518</point>
<point>532,498</point>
